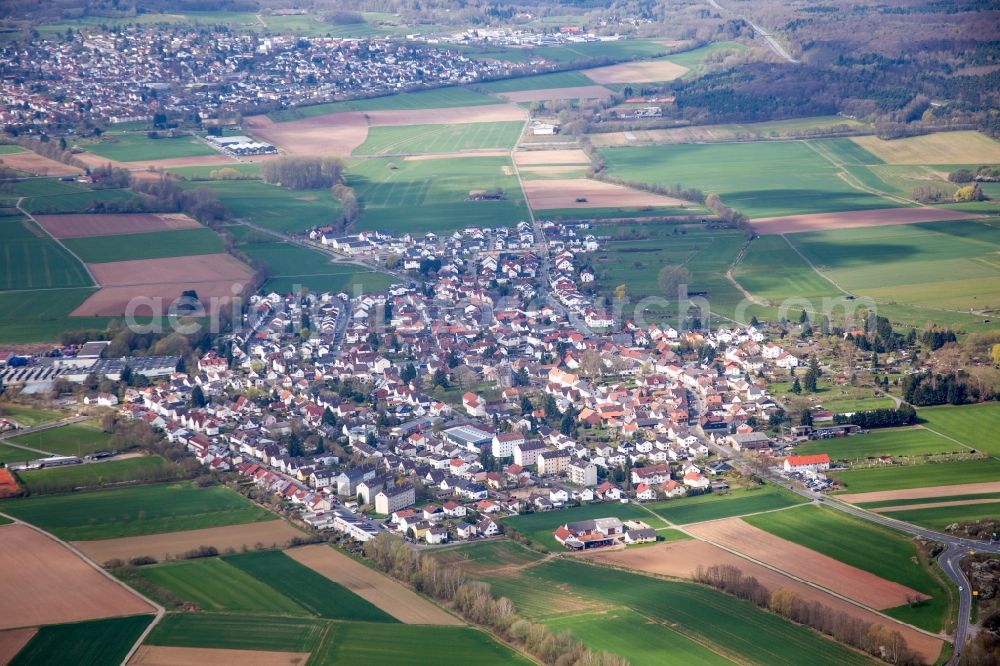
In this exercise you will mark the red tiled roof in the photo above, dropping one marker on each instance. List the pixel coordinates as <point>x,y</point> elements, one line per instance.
<point>816,459</point>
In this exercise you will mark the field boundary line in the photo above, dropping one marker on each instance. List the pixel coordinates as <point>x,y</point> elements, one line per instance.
<point>711,647</point>
<point>854,182</point>
<point>58,242</point>
<point>813,266</point>
<point>952,439</point>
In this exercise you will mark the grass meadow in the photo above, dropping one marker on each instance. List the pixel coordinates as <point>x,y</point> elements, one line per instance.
<point>770,269</point>
<point>70,440</point>
<point>135,511</point>
<point>37,316</point>
<point>59,479</point>
<point>30,259</point>
<point>152,245</point>
<point>567,79</point>
<point>289,265</point>
<point>78,200</point>
<point>486,555</point>
<point>29,416</point>
<point>139,147</point>
<point>238,632</point>
<point>417,139</point>
<point>942,516</point>
<point>436,98</point>
<point>92,642</point>
<point>913,441</point>
<point>713,506</point>
<point>873,548</point>
<point>918,476</point>
<point>273,207</point>
<point>12,454</point>
<point>927,500</point>
<point>969,424</point>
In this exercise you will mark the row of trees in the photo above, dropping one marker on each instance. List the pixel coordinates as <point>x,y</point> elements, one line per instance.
<point>475,602</point>
<point>904,415</point>
<point>875,639</point>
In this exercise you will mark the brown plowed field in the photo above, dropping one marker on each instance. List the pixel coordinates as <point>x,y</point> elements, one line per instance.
<point>211,275</point>
<point>94,161</point>
<point>332,134</point>
<point>12,641</point>
<point>269,533</point>
<point>918,493</point>
<point>563,168</point>
<point>790,224</point>
<point>557,193</point>
<point>550,157</point>
<point>681,559</point>
<point>637,72</point>
<point>43,582</point>
<point>456,115</point>
<point>34,163</point>
<point>548,94</point>
<point>394,598</point>
<point>934,505</point>
<point>78,226</point>
<point>156,655</point>
<point>804,563</point>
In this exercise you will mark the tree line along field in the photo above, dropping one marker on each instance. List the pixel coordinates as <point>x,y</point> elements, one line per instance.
<point>417,196</point>
<point>150,245</point>
<point>135,147</point>
<point>425,99</point>
<point>137,510</point>
<point>913,441</point>
<point>873,548</point>
<point>917,476</point>
<point>93,642</point>
<point>420,139</point>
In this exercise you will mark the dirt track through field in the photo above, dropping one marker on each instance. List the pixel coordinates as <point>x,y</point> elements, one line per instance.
<point>549,94</point>
<point>270,533</point>
<point>563,193</point>
<point>12,641</point>
<point>37,165</point>
<point>394,598</point>
<point>156,655</point>
<point>43,582</point>
<point>804,563</point>
<point>79,226</point>
<point>681,559</point>
<point>919,493</point>
<point>637,72</point>
<point>550,157</point>
<point>935,505</point>
<point>790,224</point>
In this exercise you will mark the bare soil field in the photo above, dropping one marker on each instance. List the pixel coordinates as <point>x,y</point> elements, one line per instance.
<point>919,493</point>
<point>557,193</point>
<point>804,563</point>
<point>332,134</point>
<point>37,165</point>
<point>455,115</point>
<point>268,533</point>
<point>94,161</point>
<point>156,655</point>
<point>394,598</point>
<point>940,148</point>
<point>562,168</point>
<point>78,226</point>
<point>550,157</point>
<point>637,72</point>
<point>44,582</point>
<point>790,224</point>
<point>12,641</point>
<point>932,505</point>
<point>219,276</point>
<point>548,94</point>
<point>449,156</point>
<point>680,559</point>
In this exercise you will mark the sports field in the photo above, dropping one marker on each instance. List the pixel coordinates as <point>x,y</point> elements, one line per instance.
<point>969,424</point>
<point>879,550</point>
<point>402,196</point>
<point>30,259</point>
<point>737,502</point>
<point>93,642</point>
<point>424,99</point>
<point>149,509</point>
<point>417,139</point>
<point>139,147</point>
<point>70,440</point>
<point>271,206</point>
<point>539,526</point>
<point>759,179</point>
<point>152,245</point>
<point>918,476</point>
<point>913,441</point>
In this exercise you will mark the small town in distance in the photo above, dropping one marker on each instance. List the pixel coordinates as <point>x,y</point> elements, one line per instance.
<point>560,333</point>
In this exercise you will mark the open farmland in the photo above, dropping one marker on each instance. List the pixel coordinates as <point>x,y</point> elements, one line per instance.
<point>759,273</point>
<point>417,139</point>
<point>93,642</point>
<point>881,498</point>
<point>568,193</point>
<point>75,200</point>
<point>265,533</point>
<point>759,179</point>
<point>551,94</point>
<point>790,224</point>
<point>147,245</point>
<point>28,416</point>
<point>134,467</point>
<point>940,517</point>
<point>438,98</point>
<point>36,165</point>
<point>30,259</point>
<point>643,71</point>
<point>539,526</point>
<point>44,582</point>
<point>155,655</point>
<point>12,454</point>
<point>150,509</point>
<point>274,207</point>
<point>735,503</point>
<point>69,440</point>
<point>872,548</point>
<point>371,586</point>
<point>11,642</point>
<point>889,442</point>
<point>237,632</point>
<point>562,156</point>
<point>917,476</point>
<point>796,127</point>
<point>139,147</point>
<point>309,589</point>
<point>337,133</point>
<point>431,195</point>
<point>969,424</point>
<point>487,556</point>
<point>82,225</point>
<point>940,148</point>
<point>24,317</point>
<point>568,79</point>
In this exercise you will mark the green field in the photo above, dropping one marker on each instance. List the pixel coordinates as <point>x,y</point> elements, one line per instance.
<point>770,269</point>
<point>918,476</point>
<point>135,511</point>
<point>29,416</point>
<point>737,502</point>
<point>30,259</point>
<point>70,440</point>
<point>139,147</point>
<point>425,99</point>
<point>890,442</point>
<point>539,526</point>
<point>215,585</point>
<point>91,475</point>
<point>237,632</point>
<point>291,265</point>
<point>11,149</point>
<point>926,500</point>
<point>311,590</point>
<point>416,139</point>
<point>759,179</point>
<point>723,623</point>
<point>12,454</point>
<point>75,202</point>
<point>969,424</point>
<point>37,316</point>
<point>569,79</point>
<point>153,245</point>
<point>859,543</point>
<point>430,195</point>
<point>486,555</point>
<point>623,212</point>
<point>941,517</point>
<point>412,645</point>
<point>97,642</point>
<point>274,207</point>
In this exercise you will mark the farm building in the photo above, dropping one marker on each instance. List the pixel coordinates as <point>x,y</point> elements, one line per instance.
<point>815,463</point>
<point>544,129</point>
